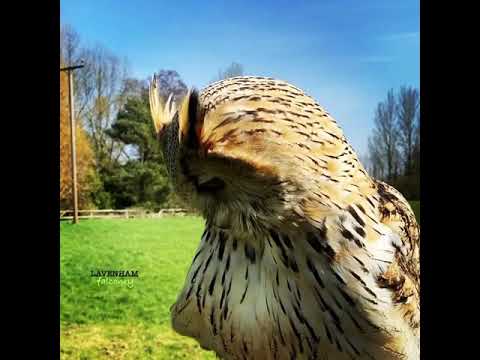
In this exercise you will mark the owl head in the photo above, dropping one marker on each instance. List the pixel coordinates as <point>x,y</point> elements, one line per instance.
<point>249,151</point>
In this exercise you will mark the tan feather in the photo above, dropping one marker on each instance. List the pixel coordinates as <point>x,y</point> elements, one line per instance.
<point>162,111</point>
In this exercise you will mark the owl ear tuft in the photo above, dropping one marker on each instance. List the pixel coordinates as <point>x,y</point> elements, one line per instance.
<point>162,111</point>
<point>190,120</point>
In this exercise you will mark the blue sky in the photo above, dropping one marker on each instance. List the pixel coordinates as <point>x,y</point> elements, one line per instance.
<point>345,53</point>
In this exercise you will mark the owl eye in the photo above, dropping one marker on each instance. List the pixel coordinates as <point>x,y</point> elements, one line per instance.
<point>210,184</point>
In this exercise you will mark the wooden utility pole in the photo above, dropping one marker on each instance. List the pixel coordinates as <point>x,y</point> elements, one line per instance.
<point>69,71</point>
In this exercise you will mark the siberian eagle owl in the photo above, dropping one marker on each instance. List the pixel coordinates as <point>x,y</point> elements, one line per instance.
<point>304,255</point>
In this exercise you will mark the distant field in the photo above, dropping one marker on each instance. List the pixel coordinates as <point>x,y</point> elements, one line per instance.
<point>114,321</point>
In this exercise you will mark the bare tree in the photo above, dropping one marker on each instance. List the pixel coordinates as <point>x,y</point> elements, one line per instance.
<point>376,164</point>
<point>364,160</point>
<point>99,91</point>
<point>407,114</point>
<point>171,83</point>
<point>383,144</point>
<point>416,148</point>
<point>134,88</point>
<point>71,53</point>
<point>234,69</point>
<point>101,86</point>
<point>69,44</point>
<point>394,146</point>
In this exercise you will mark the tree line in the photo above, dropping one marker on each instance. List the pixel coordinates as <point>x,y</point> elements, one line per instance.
<point>119,160</point>
<point>394,145</point>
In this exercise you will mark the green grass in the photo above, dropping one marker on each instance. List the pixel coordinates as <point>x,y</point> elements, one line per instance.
<point>116,322</point>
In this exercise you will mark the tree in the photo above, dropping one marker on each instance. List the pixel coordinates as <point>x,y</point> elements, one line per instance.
<point>142,180</point>
<point>101,86</point>
<point>234,69</point>
<point>98,92</point>
<point>133,88</point>
<point>86,177</point>
<point>384,141</point>
<point>69,44</point>
<point>134,126</point>
<point>407,113</point>
<point>394,146</point>
<point>375,158</point>
<point>170,82</point>
<point>414,176</point>
<point>416,149</point>
<point>135,184</point>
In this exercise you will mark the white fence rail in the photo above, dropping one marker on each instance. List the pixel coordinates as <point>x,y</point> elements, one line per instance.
<point>126,214</point>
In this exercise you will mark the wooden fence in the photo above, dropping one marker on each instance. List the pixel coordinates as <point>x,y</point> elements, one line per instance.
<point>125,214</point>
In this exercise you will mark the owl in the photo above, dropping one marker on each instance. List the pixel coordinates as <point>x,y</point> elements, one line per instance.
<point>304,255</point>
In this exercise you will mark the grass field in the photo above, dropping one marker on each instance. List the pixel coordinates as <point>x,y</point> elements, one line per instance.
<point>114,321</point>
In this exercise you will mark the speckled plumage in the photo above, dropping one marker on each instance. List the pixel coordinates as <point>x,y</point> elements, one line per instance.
<point>304,255</point>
